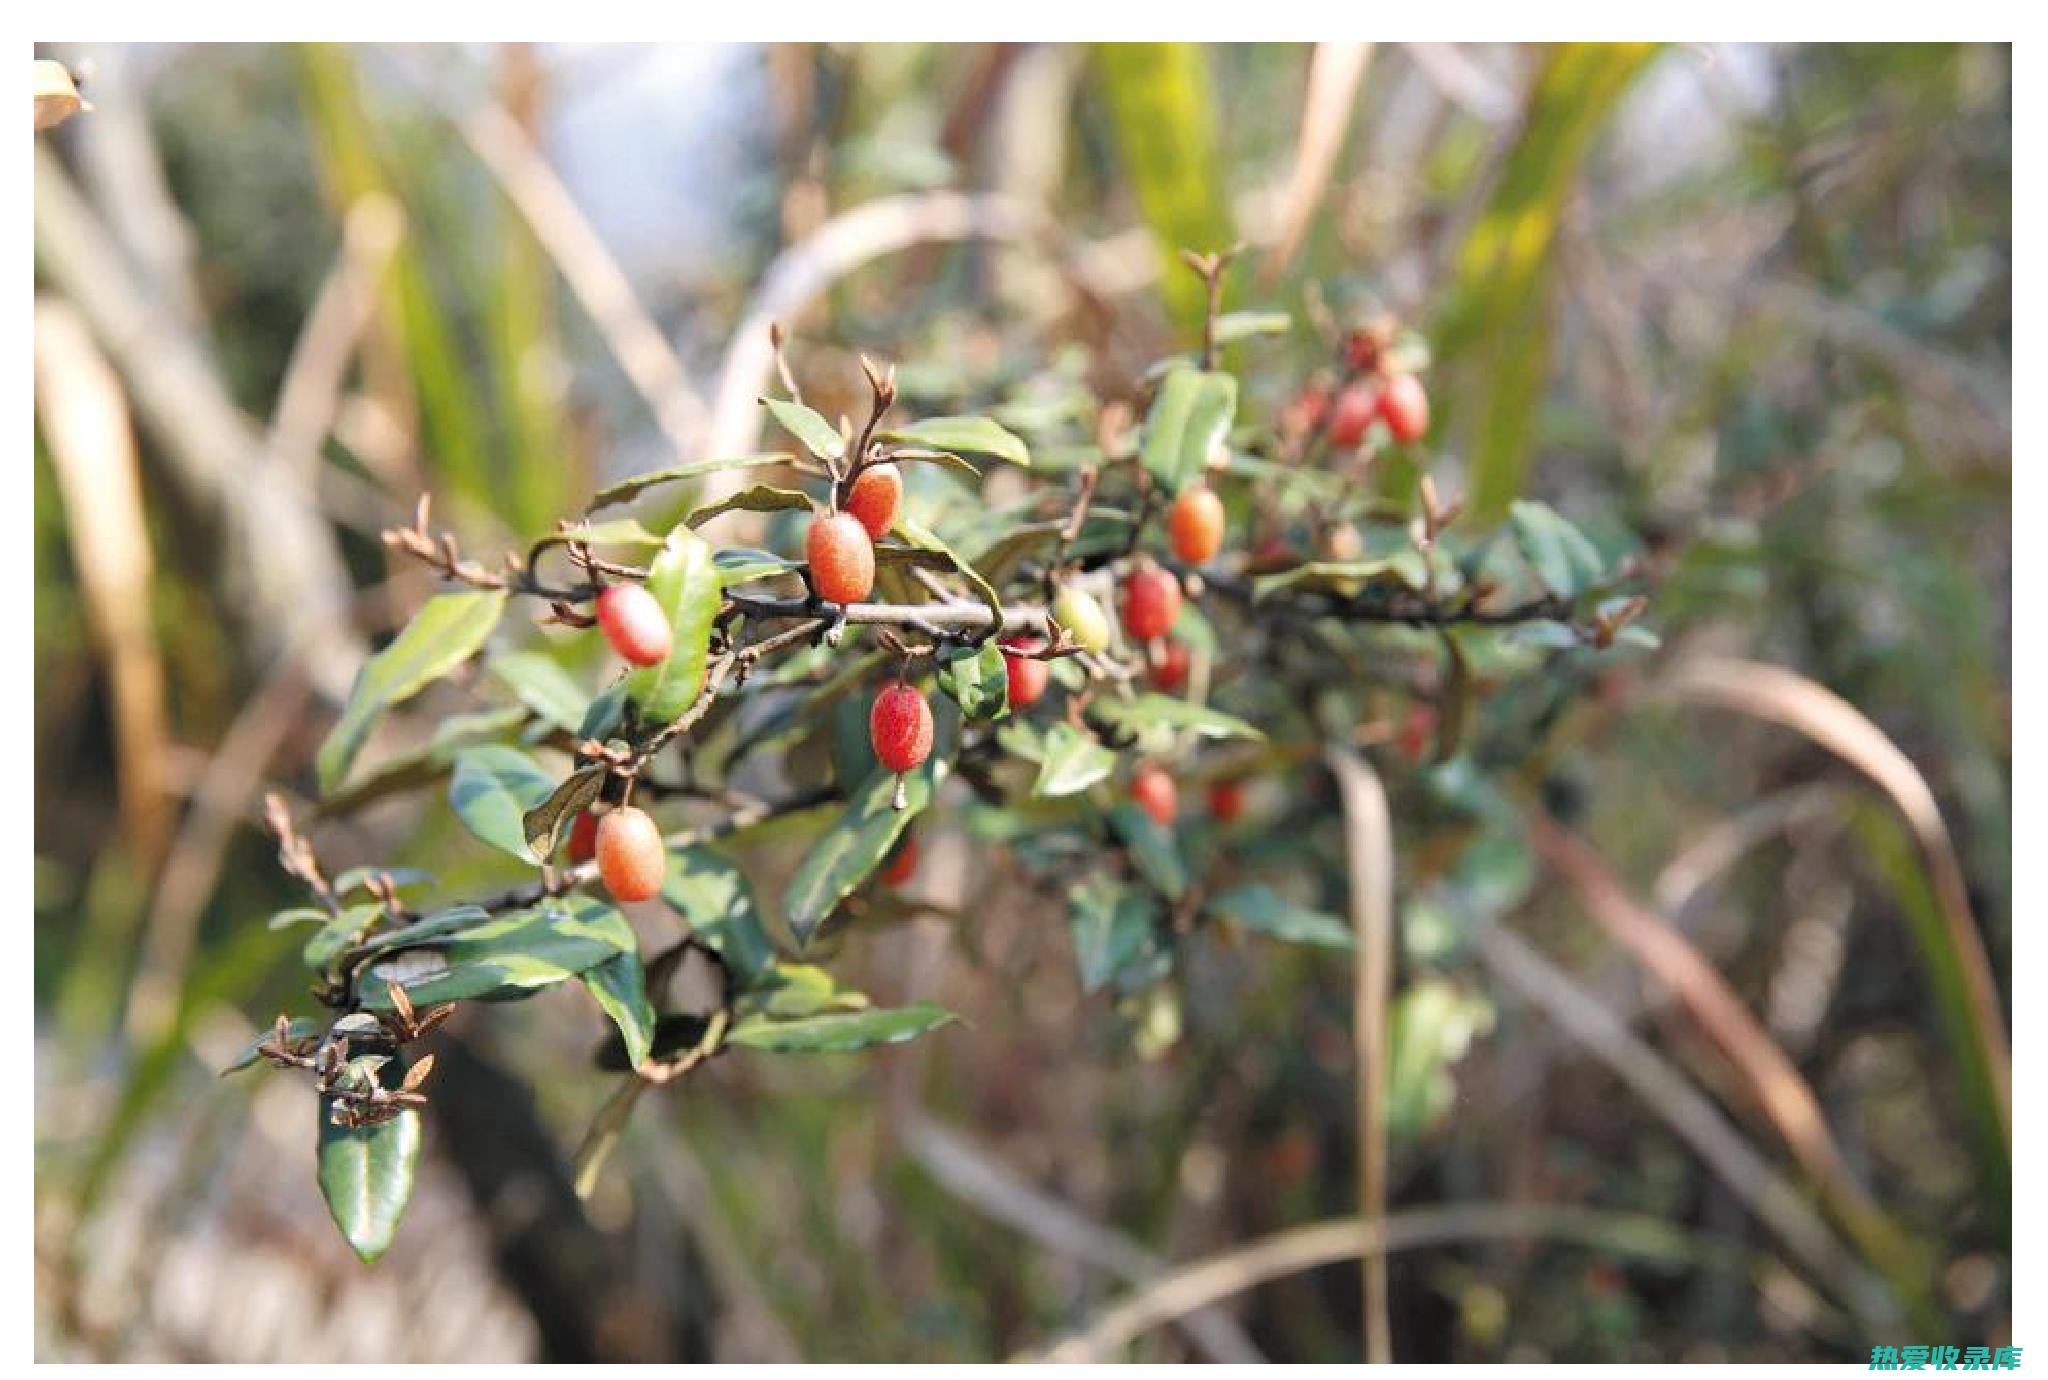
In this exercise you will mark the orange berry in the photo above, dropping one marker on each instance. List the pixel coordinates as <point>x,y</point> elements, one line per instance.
<point>630,856</point>
<point>902,864</point>
<point>1151,602</point>
<point>1028,675</point>
<point>1226,801</point>
<point>900,728</point>
<point>1172,671</point>
<point>1404,407</point>
<point>583,838</point>
<point>634,622</point>
<point>877,496</point>
<point>1155,793</point>
<point>1195,525</point>
<point>842,558</point>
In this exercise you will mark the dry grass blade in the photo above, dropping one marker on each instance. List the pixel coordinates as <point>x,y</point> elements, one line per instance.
<point>1369,856</point>
<point>1207,1282</point>
<point>1334,75</point>
<point>979,1180</point>
<point>84,419</point>
<point>1792,700</point>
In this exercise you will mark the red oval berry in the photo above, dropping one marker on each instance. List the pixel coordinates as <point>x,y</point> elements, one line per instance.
<point>1155,793</point>
<point>1226,801</point>
<point>902,864</point>
<point>877,496</point>
<point>634,623</point>
<point>1172,671</point>
<point>630,857</point>
<point>1028,675</point>
<point>900,728</point>
<point>1195,524</point>
<point>1352,413</point>
<point>1404,407</point>
<point>583,838</point>
<point>1151,602</point>
<point>842,558</point>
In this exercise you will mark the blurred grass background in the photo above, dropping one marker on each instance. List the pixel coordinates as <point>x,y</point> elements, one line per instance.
<point>1751,304</point>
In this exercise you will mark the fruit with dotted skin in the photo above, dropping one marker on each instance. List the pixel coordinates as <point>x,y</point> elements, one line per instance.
<point>1195,525</point>
<point>1083,618</point>
<point>1172,671</point>
<point>1352,413</point>
<point>1404,407</point>
<point>583,838</point>
<point>1151,602</point>
<point>630,857</point>
<point>900,728</point>
<point>1028,675</point>
<point>1226,801</point>
<point>842,558</point>
<point>1155,793</point>
<point>876,499</point>
<point>902,864</point>
<point>633,622</point>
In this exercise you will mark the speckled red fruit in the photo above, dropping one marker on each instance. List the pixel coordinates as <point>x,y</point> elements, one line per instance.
<point>1226,801</point>
<point>1155,793</point>
<point>900,728</point>
<point>1352,413</point>
<point>1151,602</point>
<point>1195,525</point>
<point>583,838</point>
<point>630,857</point>
<point>1028,675</point>
<point>633,622</point>
<point>1172,671</point>
<point>902,864</point>
<point>1404,407</point>
<point>842,558</point>
<point>876,498</point>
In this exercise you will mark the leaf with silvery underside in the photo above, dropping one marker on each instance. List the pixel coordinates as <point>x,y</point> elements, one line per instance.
<point>686,584</point>
<point>855,845</point>
<point>811,430</point>
<point>545,825</point>
<point>493,790</point>
<point>543,685</point>
<point>759,498</point>
<point>448,630</point>
<point>632,488</point>
<point>968,437</point>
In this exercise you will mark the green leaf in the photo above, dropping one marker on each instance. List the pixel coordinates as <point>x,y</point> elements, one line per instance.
<point>817,435</point>
<point>632,488</point>
<point>1113,925</point>
<point>509,956</point>
<point>685,582</point>
<point>712,894</point>
<point>1152,849</point>
<point>302,1028</point>
<point>544,824</point>
<point>1556,550</point>
<point>1433,1025</point>
<point>359,878</point>
<point>296,915</point>
<point>616,532</point>
<point>366,1173</point>
<point>739,564</point>
<point>839,1032</point>
<point>339,935</point>
<point>1259,907</point>
<point>493,789</point>
<point>447,631</point>
<point>1151,710</point>
<point>620,986</point>
<point>1347,579</point>
<point>978,680</point>
<point>760,498</point>
<point>1070,761</point>
<point>924,539</point>
<point>424,764</point>
<point>1190,418</point>
<point>542,685</point>
<point>967,437</point>
<point>1233,326</point>
<point>790,990</point>
<point>854,845</point>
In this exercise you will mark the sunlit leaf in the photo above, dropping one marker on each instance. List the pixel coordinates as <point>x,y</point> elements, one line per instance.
<point>854,845</point>
<point>817,435</point>
<point>839,1032</point>
<point>542,685</point>
<point>1070,761</point>
<point>968,437</point>
<point>491,792</point>
<point>1190,419</point>
<point>685,582</point>
<point>366,1173</point>
<point>632,488</point>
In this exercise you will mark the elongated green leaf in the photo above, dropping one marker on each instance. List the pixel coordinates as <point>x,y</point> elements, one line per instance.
<point>685,582</point>
<point>1148,711</point>
<point>1346,579</point>
<point>616,532</point>
<point>631,488</point>
<point>739,564</point>
<point>1151,847</point>
<point>1113,925</point>
<point>620,987</point>
<point>544,825</point>
<point>296,915</point>
<point>978,680</point>
<point>493,789</point>
<point>339,935</point>
<point>816,435</point>
<point>507,956</point>
<point>447,631</point>
<point>1189,420</point>
<point>924,539</point>
<point>759,498</point>
<point>1259,907</point>
<point>366,1173</point>
<point>1233,326</point>
<point>543,686</point>
<point>854,845</point>
<point>839,1032</point>
<point>713,895</point>
<point>968,437</point>
<point>1559,553</point>
<point>359,878</point>
<point>424,764</point>
<point>791,990</point>
<point>1070,761</point>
